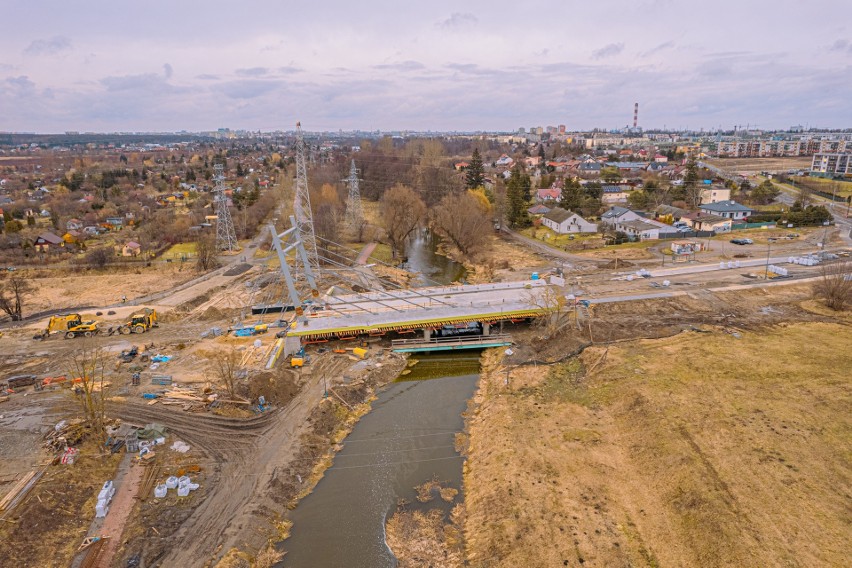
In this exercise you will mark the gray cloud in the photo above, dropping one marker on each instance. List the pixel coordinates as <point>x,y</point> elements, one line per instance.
<point>50,46</point>
<point>252,72</point>
<point>247,89</point>
<point>458,20</point>
<point>401,66</point>
<point>842,46</point>
<point>142,82</point>
<point>609,50</point>
<point>20,85</point>
<point>287,69</point>
<point>167,70</point>
<point>661,47</point>
<point>207,77</point>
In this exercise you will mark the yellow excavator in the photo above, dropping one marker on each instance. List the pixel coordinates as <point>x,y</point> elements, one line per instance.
<point>140,321</point>
<point>70,325</point>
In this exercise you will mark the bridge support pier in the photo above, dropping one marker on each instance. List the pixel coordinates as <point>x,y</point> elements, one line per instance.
<point>427,334</point>
<point>486,329</point>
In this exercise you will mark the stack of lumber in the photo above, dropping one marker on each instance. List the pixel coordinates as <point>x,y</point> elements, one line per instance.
<point>19,490</point>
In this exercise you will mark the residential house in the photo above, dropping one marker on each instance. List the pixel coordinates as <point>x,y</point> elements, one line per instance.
<point>715,194</point>
<point>504,161</point>
<point>91,230</point>
<point>131,248</point>
<point>74,225</point>
<point>617,214</point>
<point>562,222</point>
<point>660,159</point>
<point>538,210</point>
<point>550,193</point>
<point>461,165</point>
<point>640,230</point>
<point>590,168</point>
<point>615,193</point>
<point>115,222</point>
<point>47,241</point>
<point>727,209</point>
<point>700,221</point>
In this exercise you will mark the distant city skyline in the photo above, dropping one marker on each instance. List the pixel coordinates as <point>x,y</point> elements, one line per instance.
<point>102,66</point>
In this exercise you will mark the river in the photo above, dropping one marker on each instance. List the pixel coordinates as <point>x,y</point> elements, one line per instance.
<point>431,268</point>
<point>407,439</point>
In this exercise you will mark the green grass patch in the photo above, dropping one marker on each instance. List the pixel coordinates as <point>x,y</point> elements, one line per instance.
<point>382,253</point>
<point>179,250</point>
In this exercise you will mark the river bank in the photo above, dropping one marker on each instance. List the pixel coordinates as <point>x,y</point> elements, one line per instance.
<point>710,449</point>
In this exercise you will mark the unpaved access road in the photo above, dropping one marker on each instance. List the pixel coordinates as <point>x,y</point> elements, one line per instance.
<point>246,456</point>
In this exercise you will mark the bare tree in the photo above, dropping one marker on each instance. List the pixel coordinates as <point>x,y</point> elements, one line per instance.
<point>205,248</point>
<point>87,370</point>
<point>226,367</point>
<point>13,293</point>
<point>835,285</point>
<point>464,219</point>
<point>401,212</point>
<point>551,302</point>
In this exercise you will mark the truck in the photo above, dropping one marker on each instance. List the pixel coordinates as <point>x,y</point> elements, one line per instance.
<point>70,326</point>
<point>140,321</point>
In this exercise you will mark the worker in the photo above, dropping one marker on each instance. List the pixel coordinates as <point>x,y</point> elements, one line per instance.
<point>124,299</point>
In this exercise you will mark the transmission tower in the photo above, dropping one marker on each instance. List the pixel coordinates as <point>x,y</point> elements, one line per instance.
<point>302,204</point>
<point>226,237</point>
<point>354,211</point>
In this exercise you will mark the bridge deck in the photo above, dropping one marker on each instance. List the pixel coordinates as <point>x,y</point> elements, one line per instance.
<point>377,312</point>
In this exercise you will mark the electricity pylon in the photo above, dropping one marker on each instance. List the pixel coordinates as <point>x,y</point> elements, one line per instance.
<point>354,211</point>
<point>302,204</point>
<point>226,236</point>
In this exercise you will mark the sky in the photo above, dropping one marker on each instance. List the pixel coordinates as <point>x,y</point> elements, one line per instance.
<point>98,65</point>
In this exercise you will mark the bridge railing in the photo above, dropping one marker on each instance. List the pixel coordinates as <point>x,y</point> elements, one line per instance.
<point>496,337</point>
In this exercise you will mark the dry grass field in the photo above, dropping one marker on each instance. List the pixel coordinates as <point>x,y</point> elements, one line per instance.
<point>701,449</point>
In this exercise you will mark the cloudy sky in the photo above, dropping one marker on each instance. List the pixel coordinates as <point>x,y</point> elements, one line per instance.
<point>104,65</point>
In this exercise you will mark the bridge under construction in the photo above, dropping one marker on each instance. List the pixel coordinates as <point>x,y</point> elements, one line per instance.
<point>429,308</point>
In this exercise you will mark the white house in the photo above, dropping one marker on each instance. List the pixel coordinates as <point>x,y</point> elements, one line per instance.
<point>640,230</point>
<point>617,214</point>
<point>727,209</point>
<point>561,221</point>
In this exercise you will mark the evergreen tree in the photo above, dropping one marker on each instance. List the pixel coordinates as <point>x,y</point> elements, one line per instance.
<point>572,195</point>
<point>475,176</point>
<point>516,193</point>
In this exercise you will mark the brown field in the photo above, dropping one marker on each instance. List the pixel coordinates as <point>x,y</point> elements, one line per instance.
<point>701,449</point>
<point>753,166</point>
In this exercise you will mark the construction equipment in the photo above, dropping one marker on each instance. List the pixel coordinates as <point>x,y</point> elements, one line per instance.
<point>70,325</point>
<point>140,321</point>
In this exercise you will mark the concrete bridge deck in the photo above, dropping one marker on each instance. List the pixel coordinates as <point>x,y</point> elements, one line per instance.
<point>450,343</point>
<point>421,308</point>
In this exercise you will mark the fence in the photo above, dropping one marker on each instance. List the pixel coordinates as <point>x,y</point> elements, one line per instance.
<point>768,225</point>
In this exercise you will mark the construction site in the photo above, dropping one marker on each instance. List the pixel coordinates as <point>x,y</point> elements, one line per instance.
<point>180,426</point>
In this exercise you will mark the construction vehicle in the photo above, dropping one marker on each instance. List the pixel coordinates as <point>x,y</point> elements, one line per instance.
<point>140,321</point>
<point>70,325</point>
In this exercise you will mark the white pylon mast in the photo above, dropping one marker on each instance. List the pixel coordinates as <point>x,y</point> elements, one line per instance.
<point>354,211</point>
<point>302,204</point>
<point>226,236</point>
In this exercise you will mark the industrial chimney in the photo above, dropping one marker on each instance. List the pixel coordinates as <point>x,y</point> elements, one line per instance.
<point>635,115</point>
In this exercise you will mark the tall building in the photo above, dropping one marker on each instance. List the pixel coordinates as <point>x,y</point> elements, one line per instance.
<point>832,164</point>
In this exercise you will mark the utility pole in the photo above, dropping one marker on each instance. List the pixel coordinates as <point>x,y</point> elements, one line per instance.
<point>768,249</point>
<point>354,210</point>
<point>302,204</point>
<point>226,236</point>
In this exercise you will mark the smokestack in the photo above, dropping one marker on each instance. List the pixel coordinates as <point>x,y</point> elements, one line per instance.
<point>635,115</point>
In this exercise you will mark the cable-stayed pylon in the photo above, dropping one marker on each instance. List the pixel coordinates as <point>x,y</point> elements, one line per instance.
<point>226,236</point>
<point>354,211</point>
<point>302,204</point>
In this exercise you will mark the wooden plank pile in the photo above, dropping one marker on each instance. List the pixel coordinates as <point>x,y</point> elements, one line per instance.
<point>19,490</point>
